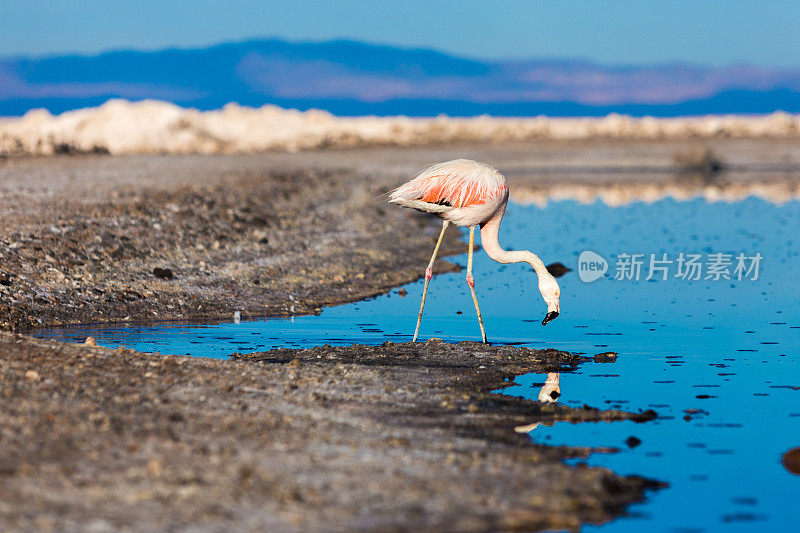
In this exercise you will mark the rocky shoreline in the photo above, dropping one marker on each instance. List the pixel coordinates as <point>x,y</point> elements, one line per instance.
<point>215,237</point>
<point>396,437</point>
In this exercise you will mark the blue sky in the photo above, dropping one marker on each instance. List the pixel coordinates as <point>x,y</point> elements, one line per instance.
<point>714,32</point>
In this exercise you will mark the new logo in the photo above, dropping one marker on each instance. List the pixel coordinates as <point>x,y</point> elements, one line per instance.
<point>591,266</point>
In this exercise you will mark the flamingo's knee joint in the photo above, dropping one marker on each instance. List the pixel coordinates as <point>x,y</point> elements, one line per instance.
<point>470,281</point>
<point>428,274</point>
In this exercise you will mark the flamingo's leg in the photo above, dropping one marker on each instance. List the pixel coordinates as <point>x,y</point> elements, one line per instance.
<point>428,276</point>
<point>471,282</point>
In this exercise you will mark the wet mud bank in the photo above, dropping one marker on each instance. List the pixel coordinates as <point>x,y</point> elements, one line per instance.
<point>401,436</point>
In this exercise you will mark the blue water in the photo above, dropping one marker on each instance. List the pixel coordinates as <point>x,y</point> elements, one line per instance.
<point>723,353</point>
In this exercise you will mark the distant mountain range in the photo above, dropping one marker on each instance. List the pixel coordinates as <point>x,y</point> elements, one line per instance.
<point>353,78</point>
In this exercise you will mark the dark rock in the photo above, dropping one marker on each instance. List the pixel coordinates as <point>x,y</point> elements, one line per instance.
<point>791,461</point>
<point>558,269</point>
<point>633,442</point>
<point>163,273</point>
<point>605,357</point>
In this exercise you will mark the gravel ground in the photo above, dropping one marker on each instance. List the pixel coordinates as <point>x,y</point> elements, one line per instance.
<point>92,239</point>
<point>397,437</point>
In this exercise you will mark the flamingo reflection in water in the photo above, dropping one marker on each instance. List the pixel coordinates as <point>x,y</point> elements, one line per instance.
<point>549,393</point>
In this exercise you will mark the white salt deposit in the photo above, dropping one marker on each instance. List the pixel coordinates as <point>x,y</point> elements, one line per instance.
<point>122,127</point>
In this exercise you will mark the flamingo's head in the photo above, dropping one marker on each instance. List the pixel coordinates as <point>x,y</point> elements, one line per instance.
<point>551,293</point>
<point>550,390</point>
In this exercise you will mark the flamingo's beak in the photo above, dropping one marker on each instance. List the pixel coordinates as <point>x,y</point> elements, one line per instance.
<point>549,316</point>
<point>552,312</point>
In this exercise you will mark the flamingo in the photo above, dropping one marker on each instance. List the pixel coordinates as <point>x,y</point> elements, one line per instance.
<point>549,393</point>
<point>468,193</point>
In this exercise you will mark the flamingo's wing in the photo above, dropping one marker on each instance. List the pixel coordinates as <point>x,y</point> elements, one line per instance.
<point>458,183</point>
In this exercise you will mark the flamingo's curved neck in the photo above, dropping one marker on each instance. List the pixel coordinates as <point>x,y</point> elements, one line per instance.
<point>490,243</point>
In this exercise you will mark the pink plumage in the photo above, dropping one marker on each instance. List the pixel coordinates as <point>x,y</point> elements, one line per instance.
<point>465,192</point>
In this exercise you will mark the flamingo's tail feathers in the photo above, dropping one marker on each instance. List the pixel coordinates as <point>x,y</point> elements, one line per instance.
<point>403,192</point>
<point>383,195</point>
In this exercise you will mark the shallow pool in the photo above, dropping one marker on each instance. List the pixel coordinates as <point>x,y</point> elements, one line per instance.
<point>716,357</point>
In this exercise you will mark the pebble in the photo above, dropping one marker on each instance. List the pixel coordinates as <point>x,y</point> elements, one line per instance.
<point>605,357</point>
<point>558,269</point>
<point>791,461</point>
<point>633,442</point>
<point>163,273</point>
